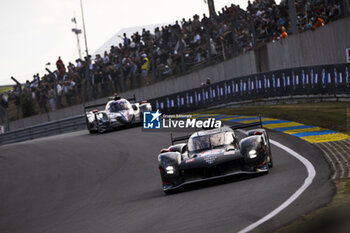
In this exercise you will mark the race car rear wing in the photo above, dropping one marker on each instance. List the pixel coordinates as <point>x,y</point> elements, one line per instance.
<point>242,126</point>
<point>114,98</point>
<point>110,98</point>
<point>181,138</point>
<point>93,106</point>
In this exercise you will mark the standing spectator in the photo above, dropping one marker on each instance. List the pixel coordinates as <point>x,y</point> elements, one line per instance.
<point>71,87</point>
<point>43,100</point>
<point>335,12</point>
<point>284,33</point>
<point>205,20</point>
<point>106,59</point>
<point>145,65</point>
<point>60,67</point>
<point>130,71</point>
<point>125,39</point>
<point>196,40</point>
<point>104,82</point>
<point>318,23</point>
<point>59,95</point>
<point>80,67</point>
<point>95,80</point>
<point>70,67</point>
<point>33,93</point>
<point>213,47</point>
<point>66,93</point>
<point>77,80</point>
<point>27,85</point>
<point>51,96</point>
<point>3,101</point>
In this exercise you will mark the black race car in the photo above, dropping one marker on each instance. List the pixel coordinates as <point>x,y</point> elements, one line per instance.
<point>118,112</point>
<point>214,153</point>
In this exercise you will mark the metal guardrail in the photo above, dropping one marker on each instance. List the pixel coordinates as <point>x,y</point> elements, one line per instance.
<point>43,130</point>
<point>75,123</point>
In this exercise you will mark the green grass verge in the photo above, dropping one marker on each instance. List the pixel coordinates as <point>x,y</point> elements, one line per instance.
<point>5,89</point>
<point>329,115</point>
<point>331,218</point>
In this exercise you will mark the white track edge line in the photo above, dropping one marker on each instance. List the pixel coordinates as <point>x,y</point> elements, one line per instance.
<point>307,182</point>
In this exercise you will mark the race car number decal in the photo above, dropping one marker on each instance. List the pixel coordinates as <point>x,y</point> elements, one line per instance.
<point>189,160</point>
<point>210,159</point>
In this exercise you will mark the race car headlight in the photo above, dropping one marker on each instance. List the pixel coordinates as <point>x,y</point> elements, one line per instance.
<point>252,154</point>
<point>169,170</point>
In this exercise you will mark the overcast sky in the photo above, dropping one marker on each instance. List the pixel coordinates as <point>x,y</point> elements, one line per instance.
<point>35,32</point>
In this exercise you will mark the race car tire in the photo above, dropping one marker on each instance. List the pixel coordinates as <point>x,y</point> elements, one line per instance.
<point>88,124</point>
<point>100,129</point>
<point>169,192</point>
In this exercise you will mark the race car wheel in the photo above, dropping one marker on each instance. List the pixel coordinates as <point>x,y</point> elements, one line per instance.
<point>87,122</point>
<point>88,125</point>
<point>91,131</point>
<point>100,129</point>
<point>168,192</point>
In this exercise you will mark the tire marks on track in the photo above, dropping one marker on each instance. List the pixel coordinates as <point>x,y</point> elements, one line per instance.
<point>337,154</point>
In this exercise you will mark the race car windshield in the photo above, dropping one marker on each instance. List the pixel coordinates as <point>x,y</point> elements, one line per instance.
<point>118,106</point>
<point>207,142</point>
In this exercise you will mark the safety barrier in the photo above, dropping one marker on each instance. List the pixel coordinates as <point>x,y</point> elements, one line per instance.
<point>328,80</point>
<point>43,130</point>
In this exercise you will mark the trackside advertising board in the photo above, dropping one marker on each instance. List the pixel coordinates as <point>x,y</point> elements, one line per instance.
<point>313,80</point>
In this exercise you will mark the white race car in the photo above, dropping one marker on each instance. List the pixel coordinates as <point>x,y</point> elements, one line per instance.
<point>118,112</point>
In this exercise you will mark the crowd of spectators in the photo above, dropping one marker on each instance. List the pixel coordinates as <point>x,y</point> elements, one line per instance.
<point>146,57</point>
<point>45,93</point>
<point>272,20</point>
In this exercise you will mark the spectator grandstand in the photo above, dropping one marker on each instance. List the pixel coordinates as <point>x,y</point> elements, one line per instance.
<point>146,57</point>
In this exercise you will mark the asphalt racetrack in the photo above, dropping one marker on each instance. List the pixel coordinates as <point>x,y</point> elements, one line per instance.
<point>86,183</point>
